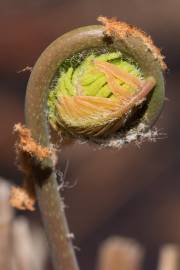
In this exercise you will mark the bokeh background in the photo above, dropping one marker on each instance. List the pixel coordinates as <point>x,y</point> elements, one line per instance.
<point>134,192</point>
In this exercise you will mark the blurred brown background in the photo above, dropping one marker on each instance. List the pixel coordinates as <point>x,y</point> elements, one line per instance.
<point>133,192</point>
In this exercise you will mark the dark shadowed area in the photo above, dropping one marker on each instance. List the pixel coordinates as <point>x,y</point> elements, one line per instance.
<point>133,192</point>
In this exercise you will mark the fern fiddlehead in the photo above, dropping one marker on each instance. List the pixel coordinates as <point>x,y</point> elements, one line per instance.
<point>91,83</point>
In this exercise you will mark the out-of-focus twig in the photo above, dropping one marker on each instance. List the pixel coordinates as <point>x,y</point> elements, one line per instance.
<point>169,257</point>
<point>20,247</point>
<point>29,251</point>
<point>6,215</point>
<point>118,253</point>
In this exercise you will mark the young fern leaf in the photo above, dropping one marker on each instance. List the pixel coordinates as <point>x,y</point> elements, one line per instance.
<point>94,83</point>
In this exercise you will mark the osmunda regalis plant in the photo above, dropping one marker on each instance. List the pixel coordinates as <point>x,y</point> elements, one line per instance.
<point>97,83</point>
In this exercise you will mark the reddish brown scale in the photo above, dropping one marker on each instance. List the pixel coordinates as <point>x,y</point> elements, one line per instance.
<point>139,97</point>
<point>109,68</point>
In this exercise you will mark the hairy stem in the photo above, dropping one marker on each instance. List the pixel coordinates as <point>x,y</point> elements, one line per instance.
<point>52,210</point>
<point>50,201</point>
